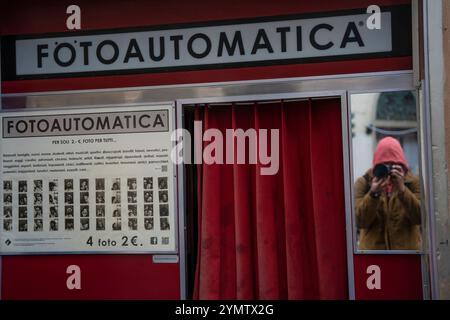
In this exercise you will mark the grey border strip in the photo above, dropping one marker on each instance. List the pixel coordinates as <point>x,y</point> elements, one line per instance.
<point>1,262</point>
<point>135,96</point>
<point>178,112</point>
<point>135,90</point>
<point>427,121</point>
<point>416,54</point>
<point>346,153</point>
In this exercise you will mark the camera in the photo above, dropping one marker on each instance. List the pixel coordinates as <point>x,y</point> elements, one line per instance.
<point>382,170</point>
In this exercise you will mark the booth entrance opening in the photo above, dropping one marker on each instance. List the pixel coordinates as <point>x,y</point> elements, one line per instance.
<point>254,235</point>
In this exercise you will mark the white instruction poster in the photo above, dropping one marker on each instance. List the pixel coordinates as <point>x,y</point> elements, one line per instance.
<point>84,180</point>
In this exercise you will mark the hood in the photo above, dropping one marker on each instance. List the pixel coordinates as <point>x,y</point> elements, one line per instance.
<point>389,150</point>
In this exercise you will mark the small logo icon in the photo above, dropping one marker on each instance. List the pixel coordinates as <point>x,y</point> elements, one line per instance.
<point>8,242</point>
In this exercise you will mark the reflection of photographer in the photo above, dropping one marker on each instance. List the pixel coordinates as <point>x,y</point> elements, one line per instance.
<point>388,202</point>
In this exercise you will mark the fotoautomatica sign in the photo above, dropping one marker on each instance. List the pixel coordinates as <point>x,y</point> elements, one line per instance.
<point>249,42</point>
<point>84,181</point>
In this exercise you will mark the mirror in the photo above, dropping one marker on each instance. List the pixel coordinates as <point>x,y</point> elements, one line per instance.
<point>385,161</point>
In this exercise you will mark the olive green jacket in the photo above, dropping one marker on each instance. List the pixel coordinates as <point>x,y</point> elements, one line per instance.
<point>388,224</point>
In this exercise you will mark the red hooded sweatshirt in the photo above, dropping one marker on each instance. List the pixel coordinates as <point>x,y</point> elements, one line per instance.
<point>390,150</point>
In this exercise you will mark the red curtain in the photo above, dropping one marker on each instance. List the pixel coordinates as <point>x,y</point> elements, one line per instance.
<point>274,236</point>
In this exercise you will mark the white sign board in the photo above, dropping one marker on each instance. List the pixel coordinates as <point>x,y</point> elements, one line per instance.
<point>225,44</point>
<point>87,181</point>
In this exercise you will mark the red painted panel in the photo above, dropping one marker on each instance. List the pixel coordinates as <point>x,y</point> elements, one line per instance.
<point>102,277</point>
<point>401,277</point>
<point>26,17</point>
<point>49,16</point>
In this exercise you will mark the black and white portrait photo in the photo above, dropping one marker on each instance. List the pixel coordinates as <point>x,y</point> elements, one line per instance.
<point>148,183</point>
<point>162,183</point>
<point>68,184</point>
<point>68,211</point>
<point>7,185</point>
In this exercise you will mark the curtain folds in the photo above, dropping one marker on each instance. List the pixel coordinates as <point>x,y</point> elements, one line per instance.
<point>276,236</point>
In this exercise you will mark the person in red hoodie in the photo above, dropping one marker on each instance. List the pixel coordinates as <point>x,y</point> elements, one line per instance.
<point>387,200</point>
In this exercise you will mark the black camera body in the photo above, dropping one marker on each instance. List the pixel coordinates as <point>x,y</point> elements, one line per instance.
<point>382,170</point>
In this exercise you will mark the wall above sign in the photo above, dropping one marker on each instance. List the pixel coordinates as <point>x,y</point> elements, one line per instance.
<point>303,38</point>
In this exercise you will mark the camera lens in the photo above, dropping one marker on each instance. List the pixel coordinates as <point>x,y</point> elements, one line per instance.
<point>381,171</point>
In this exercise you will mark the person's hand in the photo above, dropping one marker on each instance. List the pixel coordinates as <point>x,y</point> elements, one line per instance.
<point>378,184</point>
<point>398,177</point>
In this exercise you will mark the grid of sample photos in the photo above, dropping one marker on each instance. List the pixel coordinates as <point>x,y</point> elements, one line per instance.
<point>118,204</point>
